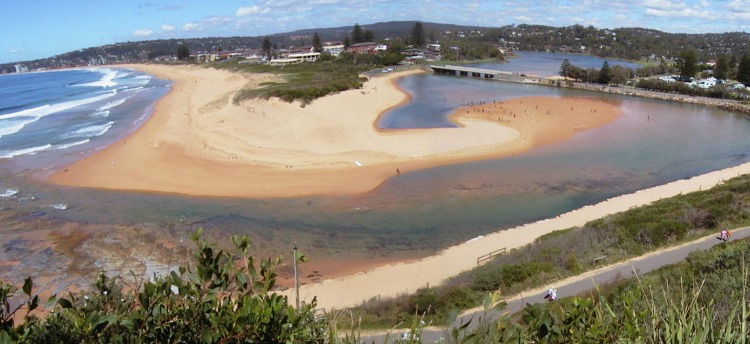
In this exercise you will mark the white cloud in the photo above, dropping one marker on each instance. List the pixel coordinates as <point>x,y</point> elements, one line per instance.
<point>524,19</point>
<point>14,51</point>
<point>663,4</point>
<point>685,12</point>
<point>207,23</point>
<point>167,28</point>
<point>245,11</point>
<point>739,5</point>
<point>142,32</point>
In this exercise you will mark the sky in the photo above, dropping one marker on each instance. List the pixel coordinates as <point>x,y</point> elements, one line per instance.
<point>44,28</point>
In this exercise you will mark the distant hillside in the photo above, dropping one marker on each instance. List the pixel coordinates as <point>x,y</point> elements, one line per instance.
<point>628,43</point>
<point>144,50</point>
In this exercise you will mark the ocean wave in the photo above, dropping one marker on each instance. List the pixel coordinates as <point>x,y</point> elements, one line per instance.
<point>9,193</point>
<point>133,89</point>
<point>112,104</point>
<point>107,79</point>
<point>100,113</point>
<point>16,121</point>
<point>89,131</point>
<point>12,126</point>
<point>26,151</point>
<point>48,109</point>
<point>60,206</point>
<point>71,144</point>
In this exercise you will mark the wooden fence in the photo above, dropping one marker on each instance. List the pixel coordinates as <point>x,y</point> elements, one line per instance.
<point>488,256</point>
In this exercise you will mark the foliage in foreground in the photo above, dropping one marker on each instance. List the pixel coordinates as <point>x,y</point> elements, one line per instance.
<point>227,299</point>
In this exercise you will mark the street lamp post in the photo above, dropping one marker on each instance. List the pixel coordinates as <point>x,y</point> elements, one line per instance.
<point>296,277</point>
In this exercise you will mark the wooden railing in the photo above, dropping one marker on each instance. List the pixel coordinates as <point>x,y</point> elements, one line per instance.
<point>488,256</point>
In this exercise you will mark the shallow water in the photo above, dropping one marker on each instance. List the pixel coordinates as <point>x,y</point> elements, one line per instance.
<point>653,143</point>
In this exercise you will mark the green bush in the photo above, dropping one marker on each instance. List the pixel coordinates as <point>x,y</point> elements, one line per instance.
<point>225,298</point>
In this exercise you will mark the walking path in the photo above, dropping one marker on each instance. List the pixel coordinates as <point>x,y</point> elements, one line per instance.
<point>577,285</point>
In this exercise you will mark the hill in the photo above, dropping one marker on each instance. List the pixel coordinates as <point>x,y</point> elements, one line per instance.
<point>625,43</point>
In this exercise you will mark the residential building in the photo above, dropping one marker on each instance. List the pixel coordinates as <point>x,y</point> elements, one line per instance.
<point>363,48</point>
<point>334,50</point>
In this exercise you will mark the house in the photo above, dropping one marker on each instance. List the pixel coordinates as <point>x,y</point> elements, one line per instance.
<point>363,48</point>
<point>295,58</point>
<point>334,50</point>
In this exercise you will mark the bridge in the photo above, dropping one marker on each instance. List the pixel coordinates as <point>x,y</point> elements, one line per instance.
<point>467,71</point>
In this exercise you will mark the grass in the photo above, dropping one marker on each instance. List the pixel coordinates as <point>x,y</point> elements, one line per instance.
<point>302,82</point>
<point>570,252</point>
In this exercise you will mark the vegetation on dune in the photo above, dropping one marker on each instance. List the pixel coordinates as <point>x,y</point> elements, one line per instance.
<point>306,82</point>
<point>572,251</point>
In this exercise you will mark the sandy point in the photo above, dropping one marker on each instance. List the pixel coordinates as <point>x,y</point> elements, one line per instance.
<point>200,142</point>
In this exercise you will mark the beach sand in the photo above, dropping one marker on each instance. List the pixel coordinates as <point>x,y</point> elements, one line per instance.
<point>198,142</point>
<point>406,277</point>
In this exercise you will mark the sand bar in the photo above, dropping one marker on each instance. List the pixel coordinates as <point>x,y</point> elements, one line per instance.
<point>198,142</point>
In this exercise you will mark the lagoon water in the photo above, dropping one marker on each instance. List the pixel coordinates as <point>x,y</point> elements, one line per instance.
<point>653,143</point>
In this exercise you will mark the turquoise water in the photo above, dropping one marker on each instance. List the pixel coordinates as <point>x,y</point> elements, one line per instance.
<point>653,143</point>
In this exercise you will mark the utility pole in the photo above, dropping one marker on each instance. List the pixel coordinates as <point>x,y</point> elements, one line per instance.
<point>296,276</point>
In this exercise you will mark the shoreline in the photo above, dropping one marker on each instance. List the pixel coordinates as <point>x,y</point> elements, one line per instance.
<point>272,149</point>
<point>349,291</point>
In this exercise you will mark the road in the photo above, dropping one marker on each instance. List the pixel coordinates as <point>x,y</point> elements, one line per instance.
<point>582,283</point>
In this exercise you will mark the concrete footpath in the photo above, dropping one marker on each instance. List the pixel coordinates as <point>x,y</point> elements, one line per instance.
<point>580,284</point>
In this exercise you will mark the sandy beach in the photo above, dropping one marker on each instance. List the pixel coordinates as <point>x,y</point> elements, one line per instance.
<point>405,277</point>
<point>198,142</point>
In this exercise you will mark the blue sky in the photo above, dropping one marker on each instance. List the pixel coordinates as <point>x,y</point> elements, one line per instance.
<point>42,28</point>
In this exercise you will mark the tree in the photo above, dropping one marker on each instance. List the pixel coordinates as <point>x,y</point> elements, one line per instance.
<point>417,35</point>
<point>182,52</point>
<point>564,68</point>
<point>317,44</point>
<point>604,74</point>
<point>347,43</point>
<point>743,72</point>
<point>721,69</point>
<point>267,46</point>
<point>687,64</point>
<point>357,36</point>
<point>368,36</point>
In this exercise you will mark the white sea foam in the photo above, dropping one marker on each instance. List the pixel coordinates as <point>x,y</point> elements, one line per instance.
<point>9,193</point>
<point>134,89</point>
<point>112,104</point>
<point>100,113</point>
<point>61,206</point>
<point>71,144</point>
<point>91,131</point>
<point>107,79</point>
<point>10,127</point>
<point>24,117</point>
<point>32,150</point>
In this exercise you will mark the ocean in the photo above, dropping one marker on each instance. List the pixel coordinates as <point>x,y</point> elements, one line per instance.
<point>51,118</point>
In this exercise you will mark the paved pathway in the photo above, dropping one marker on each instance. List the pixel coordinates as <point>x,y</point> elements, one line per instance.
<point>582,283</point>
